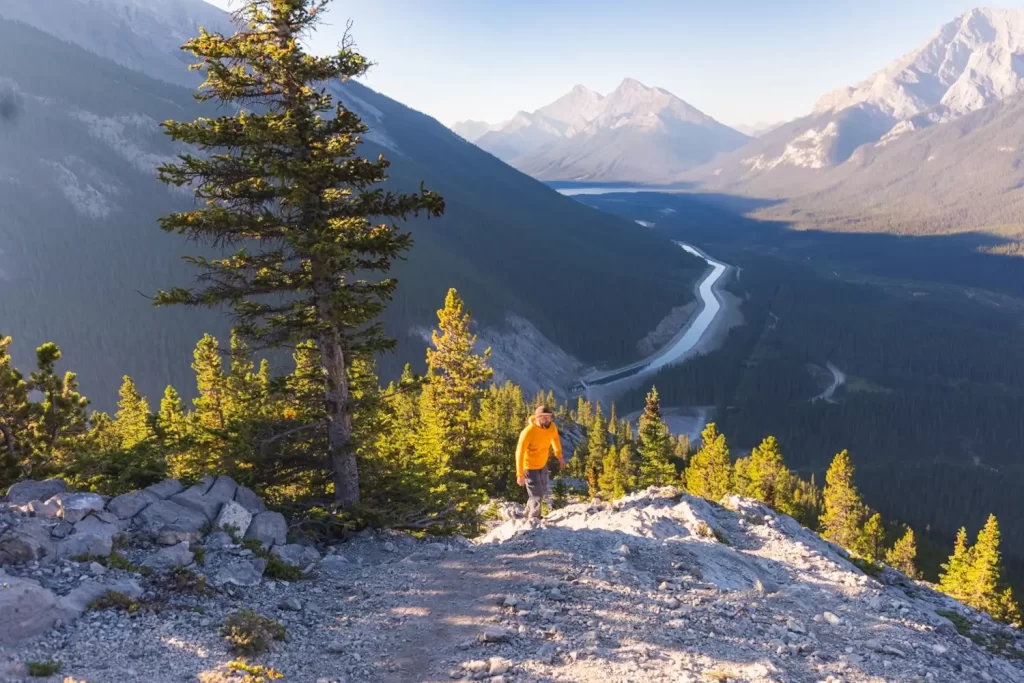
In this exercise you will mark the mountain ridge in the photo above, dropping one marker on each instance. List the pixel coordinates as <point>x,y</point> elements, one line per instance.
<point>635,133</point>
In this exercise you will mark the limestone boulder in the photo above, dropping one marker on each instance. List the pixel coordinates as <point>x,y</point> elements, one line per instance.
<point>165,489</point>
<point>130,504</point>
<point>26,609</point>
<point>28,541</point>
<point>269,528</point>
<point>233,518</point>
<point>26,491</point>
<point>74,507</point>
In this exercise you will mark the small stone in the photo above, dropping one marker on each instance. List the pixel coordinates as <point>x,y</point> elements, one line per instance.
<point>832,618</point>
<point>623,550</point>
<point>795,626</point>
<point>476,666</point>
<point>174,556</point>
<point>291,605</point>
<point>939,649</point>
<point>498,666</point>
<point>510,600</point>
<point>336,648</point>
<point>495,635</point>
<point>219,540</point>
<point>296,555</point>
<point>765,586</point>
<point>75,506</point>
<point>672,603</point>
<point>335,565</point>
<point>97,569</point>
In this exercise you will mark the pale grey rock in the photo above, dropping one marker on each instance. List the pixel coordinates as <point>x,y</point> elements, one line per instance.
<point>296,555</point>
<point>249,500</point>
<point>97,569</point>
<point>28,541</point>
<point>194,499</point>
<point>291,605</point>
<point>61,529</point>
<point>43,510</point>
<point>77,601</point>
<point>241,573</point>
<point>165,489</point>
<point>223,490</point>
<point>26,491</point>
<point>233,517</point>
<point>336,565</point>
<point>26,610</point>
<point>165,514</point>
<point>92,545</point>
<point>75,506</point>
<point>269,528</point>
<point>173,535</point>
<point>495,635</point>
<point>167,558</point>
<point>128,505</point>
<point>219,540</point>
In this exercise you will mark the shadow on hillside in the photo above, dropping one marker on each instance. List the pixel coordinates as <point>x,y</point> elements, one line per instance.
<point>721,224</point>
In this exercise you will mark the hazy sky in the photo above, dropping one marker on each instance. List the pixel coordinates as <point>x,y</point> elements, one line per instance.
<point>740,61</point>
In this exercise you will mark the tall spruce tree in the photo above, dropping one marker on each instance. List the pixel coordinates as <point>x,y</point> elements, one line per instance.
<point>953,578</point>
<point>211,385</point>
<point>709,474</point>
<point>15,413</point>
<point>844,512</point>
<point>903,555</point>
<point>133,422</point>
<point>872,538</point>
<point>597,449</point>
<point>656,468</point>
<point>285,185</point>
<point>609,482</point>
<point>455,381</point>
<point>770,481</point>
<point>60,415</point>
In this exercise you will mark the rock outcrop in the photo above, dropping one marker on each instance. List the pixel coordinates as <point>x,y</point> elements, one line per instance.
<point>659,586</point>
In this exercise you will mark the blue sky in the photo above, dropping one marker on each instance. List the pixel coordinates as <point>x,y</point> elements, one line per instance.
<point>740,61</point>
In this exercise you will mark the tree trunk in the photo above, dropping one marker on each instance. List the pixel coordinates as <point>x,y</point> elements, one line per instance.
<point>344,469</point>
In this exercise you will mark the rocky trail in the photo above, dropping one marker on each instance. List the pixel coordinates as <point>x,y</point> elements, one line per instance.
<point>660,586</point>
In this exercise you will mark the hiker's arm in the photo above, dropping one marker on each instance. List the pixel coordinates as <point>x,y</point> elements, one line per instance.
<point>521,455</point>
<point>556,441</point>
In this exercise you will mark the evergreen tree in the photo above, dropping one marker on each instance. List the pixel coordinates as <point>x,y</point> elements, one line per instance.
<point>610,480</point>
<point>597,449</point>
<point>808,502</point>
<point>872,539</point>
<point>286,184</point>
<point>770,480</point>
<point>709,474</point>
<point>584,416</point>
<point>502,416</point>
<point>456,377</point>
<point>244,392</point>
<point>741,483</point>
<point>903,555</point>
<point>985,570</point>
<point>627,470</point>
<point>656,468</point>
<point>61,413</point>
<point>613,423</point>
<point>133,419</point>
<point>211,385</point>
<point>171,420</point>
<point>844,511</point>
<point>15,414</point>
<point>953,580</point>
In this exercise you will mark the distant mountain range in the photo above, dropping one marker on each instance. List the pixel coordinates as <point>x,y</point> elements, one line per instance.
<point>635,133</point>
<point>80,247</point>
<point>930,140</point>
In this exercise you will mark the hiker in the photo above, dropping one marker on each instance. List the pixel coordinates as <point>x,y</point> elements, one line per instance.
<point>535,443</point>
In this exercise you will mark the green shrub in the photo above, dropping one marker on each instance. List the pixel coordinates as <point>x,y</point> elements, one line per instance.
<point>43,669</point>
<point>249,633</point>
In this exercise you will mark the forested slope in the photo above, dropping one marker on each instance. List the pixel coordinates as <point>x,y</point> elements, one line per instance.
<point>80,248</point>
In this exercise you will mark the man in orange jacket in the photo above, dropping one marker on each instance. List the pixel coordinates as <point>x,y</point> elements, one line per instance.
<point>535,443</point>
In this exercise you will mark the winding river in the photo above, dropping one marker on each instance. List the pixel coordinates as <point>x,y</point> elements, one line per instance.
<point>684,342</point>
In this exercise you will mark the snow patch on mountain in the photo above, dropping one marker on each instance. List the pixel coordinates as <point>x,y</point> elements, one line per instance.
<point>810,149</point>
<point>971,62</point>
<point>370,115</point>
<point>86,199</point>
<point>123,134</point>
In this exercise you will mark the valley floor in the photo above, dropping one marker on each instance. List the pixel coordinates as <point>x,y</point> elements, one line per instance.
<point>658,587</point>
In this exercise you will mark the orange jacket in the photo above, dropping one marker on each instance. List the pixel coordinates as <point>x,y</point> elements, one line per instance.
<point>535,443</point>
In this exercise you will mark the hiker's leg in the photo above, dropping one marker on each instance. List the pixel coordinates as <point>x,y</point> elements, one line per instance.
<point>534,487</point>
<point>545,489</point>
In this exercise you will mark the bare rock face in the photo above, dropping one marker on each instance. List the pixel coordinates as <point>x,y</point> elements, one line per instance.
<point>75,506</point>
<point>26,491</point>
<point>26,609</point>
<point>29,541</point>
<point>165,489</point>
<point>167,558</point>
<point>233,517</point>
<point>130,504</point>
<point>164,514</point>
<point>269,528</point>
